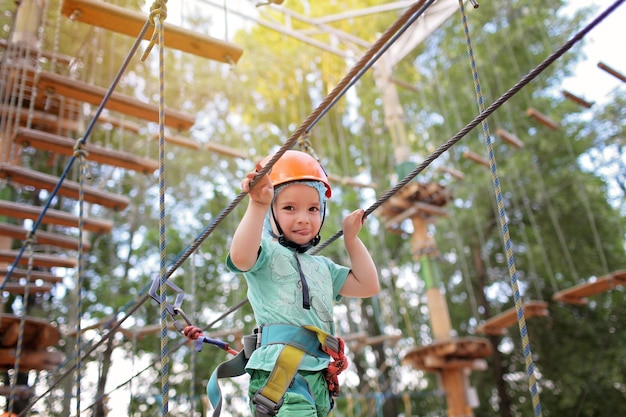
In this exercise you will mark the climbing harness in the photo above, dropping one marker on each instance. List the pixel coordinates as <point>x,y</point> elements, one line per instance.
<point>298,342</point>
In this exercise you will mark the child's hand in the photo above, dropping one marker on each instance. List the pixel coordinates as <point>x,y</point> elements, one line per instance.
<point>263,191</point>
<point>352,223</point>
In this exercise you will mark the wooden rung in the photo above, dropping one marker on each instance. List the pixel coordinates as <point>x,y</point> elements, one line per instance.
<point>509,138</point>
<point>33,360</point>
<point>34,275</point>
<point>65,146</point>
<point>476,158</point>
<point>128,22</point>
<point>42,237</point>
<point>61,218</point>
<point>180,141</point>
<point>40,260</point>
<point>613,72</point>
<point>225,150</point>
<point>454,172</point>
<point>579,294</point>
<point>576,99</point>
<point>40,119</point>
<point>60,58</point>
<point>542,118</point>
<point>126,125</point>
<point>71,189</point>
<point>498,325</point>
<point>51,84</point>
<point>16,288</point>
<point>38,333</point>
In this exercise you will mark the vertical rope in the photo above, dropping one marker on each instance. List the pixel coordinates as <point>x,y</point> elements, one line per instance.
<point>81,154</point>
<point>519,308</point>
<point>28,243</point>
<point>158,15</point>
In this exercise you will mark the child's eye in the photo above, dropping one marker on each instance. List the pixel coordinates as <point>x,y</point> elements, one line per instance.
<point>288,208</point>
<point>314,209</point>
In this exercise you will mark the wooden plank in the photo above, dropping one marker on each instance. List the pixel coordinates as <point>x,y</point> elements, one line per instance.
<point>38,333</point>
<point>576,99</point>
<point>65,146</point>
<point>33,360</point>
<point>225,150</point>
<point>454,172</point>
<point>42,237</point>
<point>51,84</point>
<point>612,71</point>
<point>61,218</point>
<point>43,120</point>
<point>580,293</point>
<point>34,275</point>
<point>122,124</point>
<point>542,118</point>
<point>498,325</point>
<point>129,22</point>
<point>509,138</point>
<point>40,260</point>
<point>71,189</point>
<point>17,288</point>
<point>180,141</point>
<point>476,158</point>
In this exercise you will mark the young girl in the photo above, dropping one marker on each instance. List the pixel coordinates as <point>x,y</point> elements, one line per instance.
<point>291,291</point>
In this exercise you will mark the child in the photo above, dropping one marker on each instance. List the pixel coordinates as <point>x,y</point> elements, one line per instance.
<point>291,291</point>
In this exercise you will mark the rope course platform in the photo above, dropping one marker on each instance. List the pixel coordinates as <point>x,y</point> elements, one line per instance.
<point>65,146</point>
<point>542,118</point>
<point>52,216</point>
<point>466,352</point>
<point>39,335</point>
<point>71,189</point>
<point>129,22</point>
<point>580,293</point>
<point>50,84</point>
<point>498,325</point>
<point>42,237</point>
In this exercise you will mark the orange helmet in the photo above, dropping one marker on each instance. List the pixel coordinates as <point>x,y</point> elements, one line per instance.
<point>297,166</point>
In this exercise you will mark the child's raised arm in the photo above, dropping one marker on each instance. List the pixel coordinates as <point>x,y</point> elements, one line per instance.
<point>246,240</point>
<point>363,278</point>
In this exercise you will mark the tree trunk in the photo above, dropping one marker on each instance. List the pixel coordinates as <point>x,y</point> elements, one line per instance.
<point>101,400</point>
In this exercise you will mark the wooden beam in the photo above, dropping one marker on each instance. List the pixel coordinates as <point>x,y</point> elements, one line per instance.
<point>576,99</point>
<point>40,260</point>
<point>542,118</point>
<point>65,146</point>
<point>17,288</point>
<point>579,294</point>
<point>498,325</point>
<point>51,84</point>
<point>61,218</point>
<point>129,22</point>
<point>179,140</point>
<point>509,138</point>
<point>476,158</point>
<point>71,189</point>
<point>612,71</point>
<point>42,237</point>
<point>34,275</point>
<point>225,150</point>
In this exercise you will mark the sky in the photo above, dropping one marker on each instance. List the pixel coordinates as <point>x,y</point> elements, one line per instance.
<point>605,43</point>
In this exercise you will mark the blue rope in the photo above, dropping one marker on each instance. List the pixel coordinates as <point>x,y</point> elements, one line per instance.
<point>519,307</point>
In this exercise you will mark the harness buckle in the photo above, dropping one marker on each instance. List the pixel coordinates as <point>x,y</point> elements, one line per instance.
<point>264,406</point>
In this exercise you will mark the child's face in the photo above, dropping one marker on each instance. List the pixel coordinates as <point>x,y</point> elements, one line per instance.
<point>298,211</point>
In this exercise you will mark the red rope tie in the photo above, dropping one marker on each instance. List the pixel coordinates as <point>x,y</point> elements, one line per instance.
<point>337,365</point>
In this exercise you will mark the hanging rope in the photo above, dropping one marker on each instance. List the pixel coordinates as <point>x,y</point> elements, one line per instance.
<point>81,154</point>
<point>28,242</point>
<point>530,367</point>
<point>158,14</point>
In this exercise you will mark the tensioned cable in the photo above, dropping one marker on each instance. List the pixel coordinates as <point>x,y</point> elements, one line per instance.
<point>504,226</point>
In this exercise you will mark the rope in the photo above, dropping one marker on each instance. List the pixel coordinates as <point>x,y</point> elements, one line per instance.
<point>82,155</point>
<point>158,14</point>
<point>519,307</point>
<point>29,241</point>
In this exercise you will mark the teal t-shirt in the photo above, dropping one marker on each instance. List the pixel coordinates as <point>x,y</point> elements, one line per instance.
<point>275,293</point>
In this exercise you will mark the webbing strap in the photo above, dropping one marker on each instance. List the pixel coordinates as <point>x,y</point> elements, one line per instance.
<point>229,369</point>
